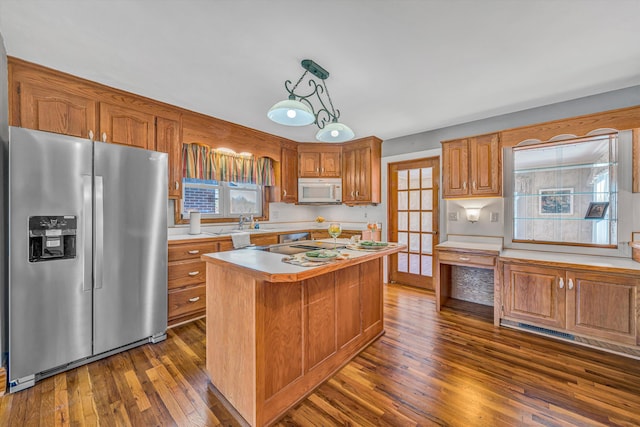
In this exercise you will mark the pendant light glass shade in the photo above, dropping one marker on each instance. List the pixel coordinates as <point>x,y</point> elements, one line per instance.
<point>291,113</point>
<point>335,132</point>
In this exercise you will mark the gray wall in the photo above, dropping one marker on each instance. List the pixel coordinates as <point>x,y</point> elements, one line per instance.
<point>591,104</point>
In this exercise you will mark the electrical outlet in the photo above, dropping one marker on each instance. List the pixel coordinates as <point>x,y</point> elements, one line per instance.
<point>365,214</point>
<point>275,214</point>
<point>494,216</point>
<point>453,216</point>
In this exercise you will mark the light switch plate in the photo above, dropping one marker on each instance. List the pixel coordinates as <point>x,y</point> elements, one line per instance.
<point>453,216</point>
<point>494,216</point>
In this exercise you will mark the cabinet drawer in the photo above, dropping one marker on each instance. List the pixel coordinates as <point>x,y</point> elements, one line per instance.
<point>187,273</point>
<point>185,301</point>
<point>191,250</point>
<point>463,258</point>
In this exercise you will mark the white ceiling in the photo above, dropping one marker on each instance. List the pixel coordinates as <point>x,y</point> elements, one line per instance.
<point>398,67</point>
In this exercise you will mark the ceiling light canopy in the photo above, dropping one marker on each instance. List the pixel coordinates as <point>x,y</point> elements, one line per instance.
<point>299,110</point>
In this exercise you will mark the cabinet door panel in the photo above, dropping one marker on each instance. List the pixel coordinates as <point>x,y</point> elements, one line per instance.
<point>330,165</point>
<point>370,277</point>
<point>320,328</point>
<point>51,110</point>
<point>349,177</point>
<point>533,294</point>
<point>309,164</point>
<point>363,174</point>
<point>289,175</point>
<point>348,304</point>
<point>602,306</point>
<point>455,158</point>
<point>486,165</point>
<point>168,141</point>
<point>126,126</point>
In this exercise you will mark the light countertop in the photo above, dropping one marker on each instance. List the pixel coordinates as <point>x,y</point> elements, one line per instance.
<point>270,266</point>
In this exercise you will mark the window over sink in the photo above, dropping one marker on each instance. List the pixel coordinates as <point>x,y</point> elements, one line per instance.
<point>219,199</point>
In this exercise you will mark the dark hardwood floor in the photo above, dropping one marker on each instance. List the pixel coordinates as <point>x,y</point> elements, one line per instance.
<point>452,368</point>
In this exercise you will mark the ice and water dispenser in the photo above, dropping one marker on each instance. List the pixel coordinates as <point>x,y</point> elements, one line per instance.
<point>52,237</point>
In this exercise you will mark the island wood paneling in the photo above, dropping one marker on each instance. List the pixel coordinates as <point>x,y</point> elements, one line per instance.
<point>282,360</point>
<point>231,326</point>
<point>348,292</point>
<point>449,368</point>
<point>320,325</point>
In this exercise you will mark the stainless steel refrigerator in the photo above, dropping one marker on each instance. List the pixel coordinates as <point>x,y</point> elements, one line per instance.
<point>87,252</point>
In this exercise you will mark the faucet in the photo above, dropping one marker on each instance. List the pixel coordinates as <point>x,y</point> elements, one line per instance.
<point>241,221</point>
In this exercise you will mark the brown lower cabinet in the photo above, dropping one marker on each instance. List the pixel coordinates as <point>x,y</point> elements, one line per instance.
<point>585,303</point>
<point>187,277</point>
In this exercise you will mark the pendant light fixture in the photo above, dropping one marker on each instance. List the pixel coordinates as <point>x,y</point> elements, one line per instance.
<point>298,110</point>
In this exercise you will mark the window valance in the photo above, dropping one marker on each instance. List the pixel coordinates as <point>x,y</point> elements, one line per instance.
<point>202,162</point>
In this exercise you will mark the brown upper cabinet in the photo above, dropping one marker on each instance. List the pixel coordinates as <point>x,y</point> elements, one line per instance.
<point>54,109</point>
<point>123,125</point>
<point>289,174</point>
<point>361,179</point>
<point>319,161</point>
<point>168,141</point>
<point>51,101</point>
<point>472,167</point>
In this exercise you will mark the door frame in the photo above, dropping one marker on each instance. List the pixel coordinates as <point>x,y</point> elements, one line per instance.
<point>392,234</point>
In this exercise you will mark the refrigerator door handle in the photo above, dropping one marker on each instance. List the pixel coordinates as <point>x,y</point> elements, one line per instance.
<point>99,246</point>
<point>87,231</point>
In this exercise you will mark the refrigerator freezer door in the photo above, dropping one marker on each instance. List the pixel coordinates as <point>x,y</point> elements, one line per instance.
<point>130,263</point>
<point>49,312</point>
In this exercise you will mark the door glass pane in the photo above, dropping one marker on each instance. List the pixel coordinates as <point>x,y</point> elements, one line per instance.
<point>414,263</point>
<point>427,200</point>
<point>414,178</point>
<point>403,262</point>
<point>403,238</point>
<point>427,177</point>
<point>403,221</point>
<point>427,243</point>
<point>414,242</point>
<point>427,265</point>
<point>427,221</point>
<point>403,180</point>
<point>414,200</point>
<point>403,202</point>
<point>414,221</point>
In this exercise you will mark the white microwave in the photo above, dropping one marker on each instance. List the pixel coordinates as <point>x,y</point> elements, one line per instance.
<point>320,190</point>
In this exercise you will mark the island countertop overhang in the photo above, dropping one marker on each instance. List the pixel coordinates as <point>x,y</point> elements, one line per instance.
<point>270,267</point>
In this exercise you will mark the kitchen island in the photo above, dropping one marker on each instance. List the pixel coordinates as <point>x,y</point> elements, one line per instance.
<point>275,331</point>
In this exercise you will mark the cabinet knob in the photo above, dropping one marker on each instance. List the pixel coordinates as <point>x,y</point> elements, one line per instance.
<point>177,185</point>
<point>194,273</point>
<point>352,194</point>
<point>90,134</point>
<point>464,258</point>
<point>193,252</point>
<point>104,137</point>
<point>570,284</point>
<point>464,185</point>
<point>561,283</point>
<point>284,193</point>
<point>194,299</point>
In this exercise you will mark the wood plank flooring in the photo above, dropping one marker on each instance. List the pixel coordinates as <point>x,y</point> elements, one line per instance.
<point>447,369</point>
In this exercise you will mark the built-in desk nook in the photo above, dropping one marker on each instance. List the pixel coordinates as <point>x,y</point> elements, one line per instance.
<point>468,271</point>
<point>586,299</point>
